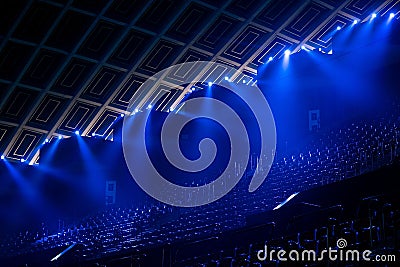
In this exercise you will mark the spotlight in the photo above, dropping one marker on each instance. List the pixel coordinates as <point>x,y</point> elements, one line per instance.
<point>226,78</point>
<point>93,134</point>
<point>136,110</point>
<point>355,22</point>
<point>22,160</point>
<point>391,15</point>
<point>149,106</point>
<point>270,58</point>
<point>122,115</point>
<point>193,88</point>
<point>338,28</point>
<point>210,83</point>
<point>2,157</point>
<point>303,47</point>
<point>373,15</point>
<point>46,141</point>
<point>171,109</point>
<point>244,81</point>
<point>77,132</point>
<point>59,137</point>
<point>287,52</point>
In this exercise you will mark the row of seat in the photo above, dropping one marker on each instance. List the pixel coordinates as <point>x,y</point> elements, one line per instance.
<point>332,156</point>
<point>377,229</point>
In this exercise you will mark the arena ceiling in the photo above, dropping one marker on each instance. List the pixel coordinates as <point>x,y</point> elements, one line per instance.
<point>69,66</point>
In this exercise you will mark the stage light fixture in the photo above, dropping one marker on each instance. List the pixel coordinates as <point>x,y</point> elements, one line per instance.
<point>149,106</point>
<point>22,160</point>
<point>2,157</point>
<point>355,22</point>
<point>287,52</point>
<point>373,15</point>
<point>270,58</point>
<point>210,83</point>
<point>77,132</point>
<point>244,81</point>
<point>391,15</point>
<point>338,28</point>
<point>226,78</point>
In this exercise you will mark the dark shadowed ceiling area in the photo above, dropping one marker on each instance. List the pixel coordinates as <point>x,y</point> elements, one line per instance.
<point>69,66</point>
